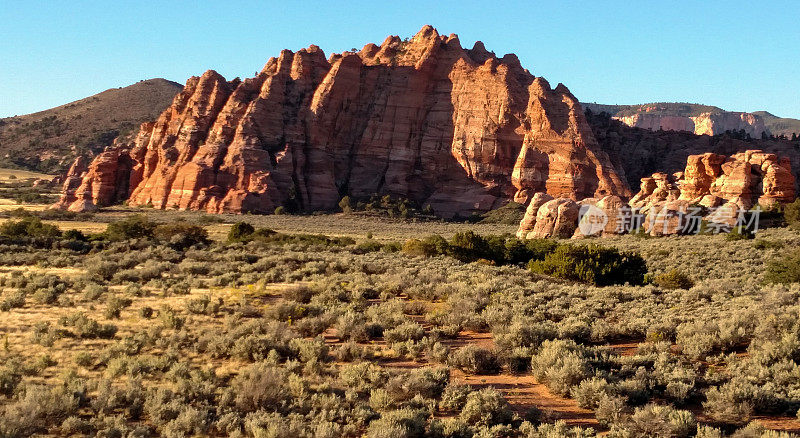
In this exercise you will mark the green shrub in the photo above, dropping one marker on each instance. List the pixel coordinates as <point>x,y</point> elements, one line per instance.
<point>509,214</point>
<point>791,213</point>
<point>740,233</point>
<point>467,246</point>
<point>132,227</point>
<point>240,231</point>
<point>181,236</point>
<point>345,204</point>
<point>86,327</point>
<point>673,279</point>
<point>28,227</point>
<point>592,264</point>
<point>785,269</point>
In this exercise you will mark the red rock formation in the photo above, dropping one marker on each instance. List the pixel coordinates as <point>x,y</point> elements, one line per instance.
<point>71,181</point>
<point>461,130</point>
<point>670,204</point>
<point>708,123</point>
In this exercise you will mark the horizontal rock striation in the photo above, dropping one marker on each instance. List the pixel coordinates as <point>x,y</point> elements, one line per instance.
<point>461,130</point>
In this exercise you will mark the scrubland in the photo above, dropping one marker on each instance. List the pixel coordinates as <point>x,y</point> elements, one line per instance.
<point>182,324</point>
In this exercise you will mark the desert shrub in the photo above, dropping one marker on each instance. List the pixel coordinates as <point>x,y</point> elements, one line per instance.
<point>467,247</point>
<point>350,351</point>
<point>561,364</point>
<point>409,331</point>
<point>673,279</point>
<point>181,236</point>
<point>9,380</point>
<point>132,227</point>
<point>611,410</point>
<point>522,332</point>
<point>475,360</point>
<point>38,408</point>
<point>417,247</point>
<point>401,423</point>
<point>240,231</point>
<point>592,264</point>
<point>362,376</point>
<point>589,392</point>
<point>261,386</point>
<point>93,291</point>
<point>454,397</point>
<point>731,403</point>
<point>346,204</point>
<point>28,227</point>
<point>88,328</point>
<point>740,233</point>
<point>785,269</point>
<point>12,299</point>
<point>114,305</point>
<point>204,305</point>
<point>486,407</point>
<point>763,244</point>
<point>146,312</point>
<point>308,350</point>
<point>661,421</point>
<point>170,318</point>
<point>300,294</point>
<point>791,213</point>
<point>368,246</point>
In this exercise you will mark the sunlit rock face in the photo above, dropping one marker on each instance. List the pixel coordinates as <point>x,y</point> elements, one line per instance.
<point>459,129</point>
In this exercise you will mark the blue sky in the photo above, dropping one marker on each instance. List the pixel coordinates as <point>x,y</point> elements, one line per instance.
<point>741,56</point>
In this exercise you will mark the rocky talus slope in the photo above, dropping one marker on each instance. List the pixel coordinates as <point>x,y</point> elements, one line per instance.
<point>459,129</point>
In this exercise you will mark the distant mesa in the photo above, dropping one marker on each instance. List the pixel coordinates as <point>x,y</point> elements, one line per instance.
<point>698,119</point>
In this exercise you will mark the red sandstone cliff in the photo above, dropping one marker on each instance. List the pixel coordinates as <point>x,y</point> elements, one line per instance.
<point>461,130</point>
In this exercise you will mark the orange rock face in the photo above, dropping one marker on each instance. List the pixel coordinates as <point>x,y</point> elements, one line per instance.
<point>671,204</point>
<point>461,130</point>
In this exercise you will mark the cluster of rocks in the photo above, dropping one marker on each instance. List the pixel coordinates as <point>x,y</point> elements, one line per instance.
<point>713,188</point>
<point>461,130</point>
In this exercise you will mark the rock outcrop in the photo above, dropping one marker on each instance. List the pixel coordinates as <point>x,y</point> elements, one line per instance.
<point>642,152</point>
<point>712,188</point>
<point>461,130</point>
<point>694,118</point>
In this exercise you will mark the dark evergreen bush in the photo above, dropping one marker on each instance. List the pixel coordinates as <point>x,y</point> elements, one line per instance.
<point>592,264</point>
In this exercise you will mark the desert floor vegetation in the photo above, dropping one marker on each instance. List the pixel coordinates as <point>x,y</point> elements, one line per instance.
<point>182,324</point>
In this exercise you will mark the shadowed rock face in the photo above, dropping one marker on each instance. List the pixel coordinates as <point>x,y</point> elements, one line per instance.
<point>461,130</point>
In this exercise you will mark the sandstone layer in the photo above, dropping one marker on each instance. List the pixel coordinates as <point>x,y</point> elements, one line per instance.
<point>712,188</point>
<point>461,130</point>
<point>657,117</point>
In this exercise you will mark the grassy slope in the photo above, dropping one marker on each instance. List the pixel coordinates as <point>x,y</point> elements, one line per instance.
<point>49,140</point>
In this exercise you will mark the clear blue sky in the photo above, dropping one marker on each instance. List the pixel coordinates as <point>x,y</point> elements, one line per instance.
<point>741,56</point>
